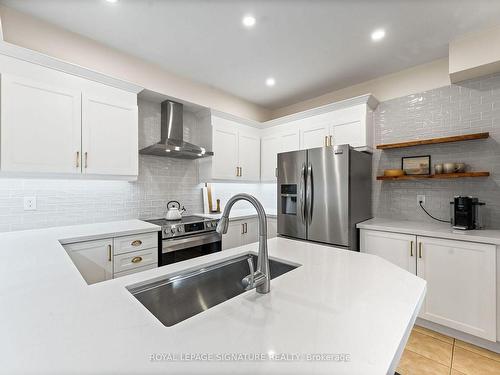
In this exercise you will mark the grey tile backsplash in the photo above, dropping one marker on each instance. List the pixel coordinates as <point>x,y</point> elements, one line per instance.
<point>468,107</point>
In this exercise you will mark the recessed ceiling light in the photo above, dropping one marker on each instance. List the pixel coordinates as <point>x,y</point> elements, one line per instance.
<point>270,81</point>
<point>378,34</point>
<point>248,21</point>
<point>112,1</point>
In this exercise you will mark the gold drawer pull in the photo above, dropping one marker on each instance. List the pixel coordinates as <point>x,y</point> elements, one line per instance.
<point>420,249</point>
<point>136,259</point>
<point>411,248</point>
<point>136,243</point>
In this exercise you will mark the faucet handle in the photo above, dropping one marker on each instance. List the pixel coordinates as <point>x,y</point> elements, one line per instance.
<point>249,281</point>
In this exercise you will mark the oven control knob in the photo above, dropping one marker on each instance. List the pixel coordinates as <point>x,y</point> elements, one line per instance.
<point>214,224</point>
<point>209,225</point>
<point>172,230</point>
<point>179,229</point>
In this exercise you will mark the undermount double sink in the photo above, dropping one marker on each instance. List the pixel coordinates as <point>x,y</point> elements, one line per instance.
<point>174,299</point>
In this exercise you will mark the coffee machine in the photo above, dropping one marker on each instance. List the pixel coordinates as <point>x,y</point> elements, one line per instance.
<point>466,213</point>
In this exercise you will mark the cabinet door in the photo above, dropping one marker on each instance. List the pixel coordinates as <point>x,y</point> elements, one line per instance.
<point>269,149</point>
<point>290,141</point>
<point>41,127</point>
<point>250,231</point>
<point>249,156</point>
<point>399,249</point>
<point>350,133</point>
<point>94,259</point>
<point>233,236</point>
<point>110,137</point>
<point>313,136</point>
<point>225,148</point>
<point>461,285</point>
<point>272,227</point>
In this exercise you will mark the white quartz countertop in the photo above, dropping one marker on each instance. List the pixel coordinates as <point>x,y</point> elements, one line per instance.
<point>441,230</point>
<point>337,301</point>
<point>242,214</point>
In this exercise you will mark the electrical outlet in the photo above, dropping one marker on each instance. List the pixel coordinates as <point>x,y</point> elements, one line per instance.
<point>420,198</point>
<point>29,203</point>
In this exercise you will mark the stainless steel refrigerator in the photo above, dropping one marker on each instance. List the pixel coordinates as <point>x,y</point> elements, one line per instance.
<point>323,193</point>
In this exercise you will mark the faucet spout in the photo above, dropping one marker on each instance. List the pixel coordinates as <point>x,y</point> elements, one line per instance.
<point>261,279</point>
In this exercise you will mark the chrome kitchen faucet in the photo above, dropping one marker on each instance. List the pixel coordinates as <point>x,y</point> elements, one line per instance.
<point>260,280</point>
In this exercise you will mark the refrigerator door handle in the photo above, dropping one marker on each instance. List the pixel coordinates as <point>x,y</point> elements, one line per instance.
<point>309,193</point>
<point>302,193</point>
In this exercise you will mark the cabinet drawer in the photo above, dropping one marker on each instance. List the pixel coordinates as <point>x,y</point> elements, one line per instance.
<point>134,270</point>
<point>136,259</point>
<point>136,242</point>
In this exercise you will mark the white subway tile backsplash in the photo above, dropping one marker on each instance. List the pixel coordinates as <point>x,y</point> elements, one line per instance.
<point>468,107</point>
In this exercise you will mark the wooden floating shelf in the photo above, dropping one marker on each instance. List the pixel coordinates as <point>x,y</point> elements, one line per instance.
<point>434,176</point>
<point>432,141</point>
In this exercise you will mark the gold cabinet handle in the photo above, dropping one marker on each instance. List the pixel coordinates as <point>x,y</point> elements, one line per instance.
<point>109,253</point>
<point>241,171</point>
<point>237,171</point>
<point>243,228</point>
<point>85,159</point>
<point>411,248</point>
<point>136,243</point>
<point>326,140</point>
<point>420,249</point>
<point>136,259</point>
<point>330,140</point>
<point>78,159</point>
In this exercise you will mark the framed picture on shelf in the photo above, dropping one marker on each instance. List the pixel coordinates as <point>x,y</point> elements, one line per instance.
<point>416,165</point>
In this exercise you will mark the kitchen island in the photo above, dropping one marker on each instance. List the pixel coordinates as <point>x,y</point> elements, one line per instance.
<point>339,312</point>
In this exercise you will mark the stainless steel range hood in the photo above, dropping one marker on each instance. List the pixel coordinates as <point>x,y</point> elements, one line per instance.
<point>172,143</point>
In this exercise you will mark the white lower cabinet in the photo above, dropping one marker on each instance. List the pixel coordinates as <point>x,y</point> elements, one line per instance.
<point>246,231</point>
<point>460,275</point>
<point>94,259</point>
<point>461,285</point>
<point>105,259</point>
<point>395,247</point>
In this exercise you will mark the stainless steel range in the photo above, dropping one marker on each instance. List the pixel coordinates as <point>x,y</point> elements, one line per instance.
<point>190,237</point>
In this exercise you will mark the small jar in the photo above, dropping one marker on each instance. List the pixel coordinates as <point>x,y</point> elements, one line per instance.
<point>438,168</point>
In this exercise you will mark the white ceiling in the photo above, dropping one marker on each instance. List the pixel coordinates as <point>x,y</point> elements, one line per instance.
<point>310,47</point>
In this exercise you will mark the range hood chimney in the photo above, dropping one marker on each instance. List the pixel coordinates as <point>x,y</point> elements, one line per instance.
<point>172,140</point>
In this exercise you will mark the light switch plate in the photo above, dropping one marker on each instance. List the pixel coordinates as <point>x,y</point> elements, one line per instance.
<point>29,203</point>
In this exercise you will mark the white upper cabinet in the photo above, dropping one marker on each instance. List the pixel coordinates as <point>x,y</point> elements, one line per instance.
<point>57,123</point>
<point>312,136</point>
<point>109,137</point>
<point>249,155</point>
<point>269,149</point>
<point>236,149</point>
<point>352,125</point>
<point>225,148</point>
<point>289,140</point>
<point>40,127</point>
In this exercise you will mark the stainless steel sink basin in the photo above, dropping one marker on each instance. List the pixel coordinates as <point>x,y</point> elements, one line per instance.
<point>177,298</point>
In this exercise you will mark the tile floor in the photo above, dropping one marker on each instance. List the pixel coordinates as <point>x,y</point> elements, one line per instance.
<point>431,353</point>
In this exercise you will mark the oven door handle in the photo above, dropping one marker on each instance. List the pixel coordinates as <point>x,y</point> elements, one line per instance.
<point>175,244</point>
